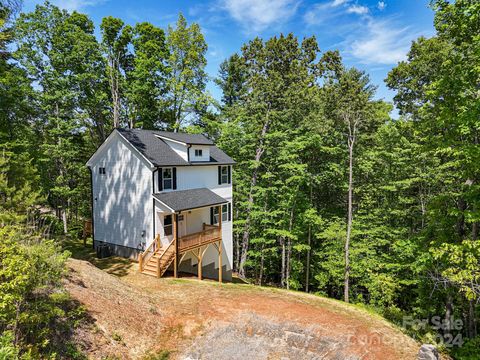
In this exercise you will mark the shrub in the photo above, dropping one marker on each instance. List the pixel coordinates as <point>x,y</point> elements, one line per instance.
<point>469,350</point>
<point>32,303</point>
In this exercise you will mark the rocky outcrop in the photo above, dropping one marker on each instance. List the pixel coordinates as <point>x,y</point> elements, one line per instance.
<point>428,352</point>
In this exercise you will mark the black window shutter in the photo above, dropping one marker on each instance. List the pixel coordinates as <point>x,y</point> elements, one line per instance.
<point>160,180</point>
<point>229,211</point>
<point>211,216</point>
<point>219,175</point>
<point>229,175</point>
<point>174,178</point>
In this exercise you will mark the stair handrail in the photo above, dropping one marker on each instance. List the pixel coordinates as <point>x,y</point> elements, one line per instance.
<point>159,270</point>
<point>156,242</point>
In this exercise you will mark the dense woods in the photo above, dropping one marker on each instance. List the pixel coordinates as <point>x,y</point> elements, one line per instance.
<point>332,195</point>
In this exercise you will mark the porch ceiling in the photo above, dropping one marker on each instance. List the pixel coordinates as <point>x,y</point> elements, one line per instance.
<point>189,199</point>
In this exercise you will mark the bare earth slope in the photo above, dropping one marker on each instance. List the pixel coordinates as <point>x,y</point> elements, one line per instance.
<point>135,315</point>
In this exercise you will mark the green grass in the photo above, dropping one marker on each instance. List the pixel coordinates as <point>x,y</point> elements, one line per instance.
<point>162,355</point>
<point>84,251</point>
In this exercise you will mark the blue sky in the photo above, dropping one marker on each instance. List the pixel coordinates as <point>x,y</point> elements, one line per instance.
<point>371,35</point>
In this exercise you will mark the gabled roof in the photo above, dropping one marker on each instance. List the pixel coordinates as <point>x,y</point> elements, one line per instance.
<point>189,199</point>
<point>150,144</point>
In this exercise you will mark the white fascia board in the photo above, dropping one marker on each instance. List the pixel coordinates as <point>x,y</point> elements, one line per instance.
<point>109,139</point>
<point>161,202</point>
<point>168,139</point>
<point>100,149</point>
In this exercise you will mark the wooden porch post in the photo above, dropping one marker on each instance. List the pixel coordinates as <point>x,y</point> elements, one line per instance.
<point>175,239</point>
<point>220,244</point>
<point>220,261</point>
<point>200,257</point>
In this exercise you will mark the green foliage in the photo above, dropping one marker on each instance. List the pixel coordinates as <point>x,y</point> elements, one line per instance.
<point>287,117</point>
<point>468,351</point>
<point>162,355</point>
<point>7,350</point>
<point>186,78</point>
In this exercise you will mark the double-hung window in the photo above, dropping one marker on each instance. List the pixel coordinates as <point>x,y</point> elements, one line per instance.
<point>224,175</point>
<point>167,176</point>
<point>198,153</point>
<point>215,215</point>
<point>224,212</point>
<point>167,225</point>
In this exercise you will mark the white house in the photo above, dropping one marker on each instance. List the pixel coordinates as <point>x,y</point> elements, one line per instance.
<point>165,199</point>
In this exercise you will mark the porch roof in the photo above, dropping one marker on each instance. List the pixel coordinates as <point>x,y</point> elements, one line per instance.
<point>189,199</point>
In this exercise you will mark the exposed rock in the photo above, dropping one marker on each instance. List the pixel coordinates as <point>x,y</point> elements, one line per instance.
<point>428,352</point>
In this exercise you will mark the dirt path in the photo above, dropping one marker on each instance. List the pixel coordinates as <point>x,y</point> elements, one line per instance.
<point>190,319</point>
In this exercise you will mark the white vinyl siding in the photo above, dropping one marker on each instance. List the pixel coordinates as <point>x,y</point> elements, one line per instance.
<point>122,199</point>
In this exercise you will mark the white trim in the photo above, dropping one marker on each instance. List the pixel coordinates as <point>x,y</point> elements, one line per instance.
<point>114,133</point>
<point>168,139</point>
<point>161,202</point>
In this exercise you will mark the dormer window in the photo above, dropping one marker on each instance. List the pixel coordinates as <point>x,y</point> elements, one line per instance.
<point>198,153</point>
<point>167,176</point>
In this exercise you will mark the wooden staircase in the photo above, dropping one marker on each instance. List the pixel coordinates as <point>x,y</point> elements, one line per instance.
<point>156,260</point>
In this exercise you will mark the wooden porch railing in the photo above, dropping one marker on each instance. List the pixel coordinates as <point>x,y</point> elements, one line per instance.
<point>209,234</point>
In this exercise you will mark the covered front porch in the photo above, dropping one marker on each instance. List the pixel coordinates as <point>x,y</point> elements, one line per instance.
<point>188,225</point>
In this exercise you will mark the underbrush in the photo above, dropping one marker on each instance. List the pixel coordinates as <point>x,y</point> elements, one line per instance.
<point>37,317</point>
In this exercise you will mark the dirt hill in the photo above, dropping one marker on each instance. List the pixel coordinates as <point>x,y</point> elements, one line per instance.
<point>135,315</point>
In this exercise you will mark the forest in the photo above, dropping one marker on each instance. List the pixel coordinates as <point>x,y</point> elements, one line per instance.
<point>333,195</point>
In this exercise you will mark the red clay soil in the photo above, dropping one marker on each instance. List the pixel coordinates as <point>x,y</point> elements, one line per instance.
<point>135,315</point>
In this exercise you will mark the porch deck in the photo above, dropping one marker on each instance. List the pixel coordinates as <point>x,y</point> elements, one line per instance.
<point>156,259</point>
<point>209,234</point>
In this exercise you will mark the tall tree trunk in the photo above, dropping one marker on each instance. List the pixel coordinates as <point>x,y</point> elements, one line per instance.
<point>114,89</point>
<point>309,251</point>
<point>462,205</point>
<point>262,260</point>
<point>289,247</point>
<point>307,266</point>
<point>282,244</point>
<point>448,315</point>
<point>472,323</point>
<point>253,182</point>
<point>351,142</point>
<point>64,220</point>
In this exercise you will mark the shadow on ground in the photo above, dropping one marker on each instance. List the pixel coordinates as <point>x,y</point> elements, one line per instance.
<point>114,265</point>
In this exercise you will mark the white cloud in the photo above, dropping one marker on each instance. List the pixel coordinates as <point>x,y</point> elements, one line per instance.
<point>257,15</point>
<point>383,43</point>
<point>336,3</point>
<point>381,5</point>
<point>357,9</point>
<point>327,11</point>
<point>324,12</point>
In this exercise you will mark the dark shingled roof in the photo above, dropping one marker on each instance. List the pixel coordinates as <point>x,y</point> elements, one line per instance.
<point>159,153</point>
<point>189,199</point>
<point>193,139</point>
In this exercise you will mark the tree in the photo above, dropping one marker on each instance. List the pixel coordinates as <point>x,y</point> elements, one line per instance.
<point>186,79</point>
<point>55,49</point>
<point>116,36</point>
<point>146,80</point>
<point>436,87</point>
<point>352,94</point>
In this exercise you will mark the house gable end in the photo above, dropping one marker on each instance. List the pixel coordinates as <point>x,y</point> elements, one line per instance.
<point>116,136</point>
